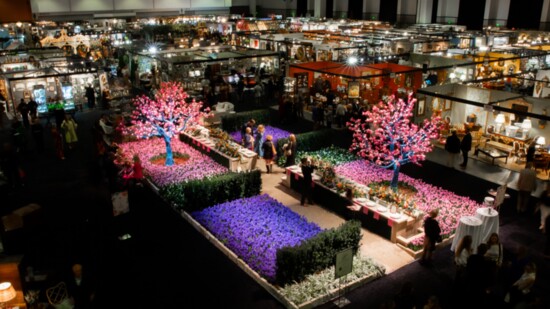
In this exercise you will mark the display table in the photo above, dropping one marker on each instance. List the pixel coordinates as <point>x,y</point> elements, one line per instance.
<point>375,217</point>
<point>490,222</point>
<point>468,225</point>
<point>493,154</point>
<point>246,161</point>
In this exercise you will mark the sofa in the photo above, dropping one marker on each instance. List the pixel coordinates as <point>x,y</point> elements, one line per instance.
<point>499,144</point>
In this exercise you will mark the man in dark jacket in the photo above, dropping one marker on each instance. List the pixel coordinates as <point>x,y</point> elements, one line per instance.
<point>307,171</point>
<point>466,146</point>
<point>452,145</point>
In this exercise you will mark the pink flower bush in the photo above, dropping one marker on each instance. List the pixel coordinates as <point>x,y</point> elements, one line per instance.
<point>166,114</point>
<point>388,138</point>
<point>197,166</point>
<point>451,206</point>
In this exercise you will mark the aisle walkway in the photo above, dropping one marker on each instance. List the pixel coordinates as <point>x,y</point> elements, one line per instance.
<point>374,246</point>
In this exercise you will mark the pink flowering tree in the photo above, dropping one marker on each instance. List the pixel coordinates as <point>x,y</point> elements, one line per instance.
<point>165,115</point>
<point>389,139</point>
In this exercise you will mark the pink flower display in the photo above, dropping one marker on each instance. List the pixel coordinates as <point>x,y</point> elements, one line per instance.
<point>166,115</point>
<point>197,166</point>
<point>451,206</point>
<point>388,138</point>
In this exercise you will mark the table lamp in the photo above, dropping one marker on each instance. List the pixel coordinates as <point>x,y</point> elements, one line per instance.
<point>525,126</point>
<point>7,293</point>
<point>499,121</point>
<point>541,141</point>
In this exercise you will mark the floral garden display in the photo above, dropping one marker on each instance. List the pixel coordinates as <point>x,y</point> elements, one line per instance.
<point>196,166</point>
<point>362,179</point>
<point>166,115</point>
<point>255,228</point>
<point>427,197</point>
<point>388,138</point>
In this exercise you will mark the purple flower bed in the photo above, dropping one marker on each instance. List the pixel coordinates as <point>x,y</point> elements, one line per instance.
<point>197,166</point>
<point>255,228</point>
<point>269,130</point>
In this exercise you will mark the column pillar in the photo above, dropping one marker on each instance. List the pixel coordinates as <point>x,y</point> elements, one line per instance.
<point>424,11</point>
<point>252,7</point>
<point>320,8</point>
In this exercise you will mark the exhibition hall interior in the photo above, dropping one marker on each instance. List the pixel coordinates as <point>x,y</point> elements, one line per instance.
<point>274,154</point>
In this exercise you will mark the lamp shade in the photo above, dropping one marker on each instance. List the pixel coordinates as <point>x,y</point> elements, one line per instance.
<point>500,118</point>
<point>7,292</point>
<point>526,124</point>
<point>541,141</point>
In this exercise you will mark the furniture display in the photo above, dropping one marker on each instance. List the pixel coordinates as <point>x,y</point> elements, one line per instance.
<point>490,221</point>
<point>58,296</point>
<point>468,225</point>
<point>10,272</point>
<point>493,154</point>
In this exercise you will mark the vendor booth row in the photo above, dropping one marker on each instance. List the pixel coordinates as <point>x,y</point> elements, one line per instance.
<point>366,82</point>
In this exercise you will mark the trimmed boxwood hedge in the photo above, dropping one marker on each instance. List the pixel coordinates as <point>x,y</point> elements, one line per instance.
<point>234,122</point>
<point>196,195</point>
<point>317,253</point>
<point>316,140</point>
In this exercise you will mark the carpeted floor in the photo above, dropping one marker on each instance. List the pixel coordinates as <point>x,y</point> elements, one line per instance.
<point>167,264</point>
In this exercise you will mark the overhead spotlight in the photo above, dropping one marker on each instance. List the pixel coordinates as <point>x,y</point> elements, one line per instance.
<point>352,60</point>
<point>152,49</point>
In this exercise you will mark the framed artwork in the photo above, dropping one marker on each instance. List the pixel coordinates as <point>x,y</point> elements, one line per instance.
<point>353,89</point>
<point>436,104</point>
<point>448,105</point>
<point>421,107</point>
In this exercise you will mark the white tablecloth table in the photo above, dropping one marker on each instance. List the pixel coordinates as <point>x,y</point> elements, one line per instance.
<point>468,225</point>
<point>490,220</point>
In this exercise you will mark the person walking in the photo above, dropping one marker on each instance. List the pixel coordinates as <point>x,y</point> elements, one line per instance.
<point>307,171</point>
<point>259,140</point>
<point>249,124</point>
<point>269,153</point>
<point>37,131</point>
<point>462,253</point>
<point>452,146</point>
<point>33,108</point>
<point>527,183</point>
<point>465,147</point>
<point>90,96</point>
<point>69,127</point>
<point>23,109</point>
<point>290,151</point>
<point>248,139</point>
<point>432,235</point>
<point>58,142</point>
<point>544,206</point>
<point>340,113</point>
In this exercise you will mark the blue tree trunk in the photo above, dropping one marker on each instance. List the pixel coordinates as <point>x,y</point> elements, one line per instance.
<point>169,155</point>
<point>395,178</point>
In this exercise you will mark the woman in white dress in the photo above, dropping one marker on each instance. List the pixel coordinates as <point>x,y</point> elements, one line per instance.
<point>462,253</point>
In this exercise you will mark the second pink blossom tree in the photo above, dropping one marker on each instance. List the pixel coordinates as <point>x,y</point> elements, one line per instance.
<point>165,115</point>
<point>388,138</point>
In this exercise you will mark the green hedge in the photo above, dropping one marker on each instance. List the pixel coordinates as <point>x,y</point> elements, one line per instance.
<point>234,122</point>
<point>317,253</point>
<point>316,140</point>
<point>198,194</point>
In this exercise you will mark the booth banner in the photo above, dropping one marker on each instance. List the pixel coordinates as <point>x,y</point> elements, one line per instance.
<point>353,90</point>
<point>103,82</point>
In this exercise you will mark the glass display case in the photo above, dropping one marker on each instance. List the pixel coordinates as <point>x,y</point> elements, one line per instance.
<point>39,95</point>
<point>67,90</point>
